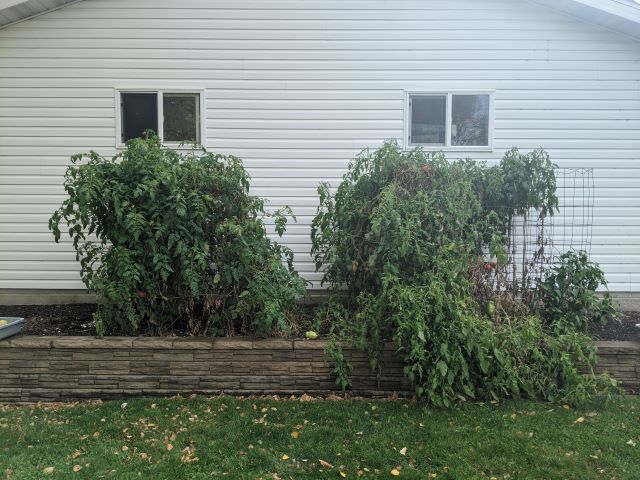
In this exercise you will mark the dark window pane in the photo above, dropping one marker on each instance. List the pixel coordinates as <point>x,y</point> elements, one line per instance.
<point>428,119</point>
<point>470,120</point>
<point>181,117</point>
<point>139,113</point>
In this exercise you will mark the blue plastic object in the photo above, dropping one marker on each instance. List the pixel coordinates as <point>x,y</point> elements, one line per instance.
<point>12,328</point>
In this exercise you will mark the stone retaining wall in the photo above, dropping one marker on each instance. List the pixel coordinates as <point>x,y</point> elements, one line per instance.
<point>622,361</point>
<point>36,369</point>
<point>64,368</point>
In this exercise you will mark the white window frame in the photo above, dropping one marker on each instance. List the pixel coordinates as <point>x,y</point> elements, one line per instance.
<point>448,119</point>
<point>159,96</point>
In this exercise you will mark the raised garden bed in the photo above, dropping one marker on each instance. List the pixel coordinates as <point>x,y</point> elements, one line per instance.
<point>47,368</point>
<point>57,358</point>
<point>65,368</point>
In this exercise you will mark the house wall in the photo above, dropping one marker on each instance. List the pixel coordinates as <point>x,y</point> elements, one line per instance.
<point>296,88</point>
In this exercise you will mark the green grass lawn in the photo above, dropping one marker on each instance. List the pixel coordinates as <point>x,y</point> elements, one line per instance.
<point>201,437</point>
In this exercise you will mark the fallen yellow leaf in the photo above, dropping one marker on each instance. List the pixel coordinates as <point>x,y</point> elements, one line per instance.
<point>48,470</point>
<point>188,455</point>
<point>395,472</point>
<point>77,468</point>
<point>295,434</point>
<point>76,454</point>
<point>579,420</point>
<point>325,464</point>
<point>403,451</point>
<point>342,474</point>
<point>285,457</point>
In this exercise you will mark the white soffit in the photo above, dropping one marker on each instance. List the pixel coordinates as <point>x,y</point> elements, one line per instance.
<point>618,15</point>
<point>12,11</point>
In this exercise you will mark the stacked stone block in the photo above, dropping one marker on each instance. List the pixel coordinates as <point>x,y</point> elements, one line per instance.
<point>66,368</point>
<point>48,369</point>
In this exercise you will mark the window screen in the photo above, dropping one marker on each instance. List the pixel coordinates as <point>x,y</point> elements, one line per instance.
<point>470,120</point>
<point>181,117</point>
<point>428,119</point>
<point>139,112</point>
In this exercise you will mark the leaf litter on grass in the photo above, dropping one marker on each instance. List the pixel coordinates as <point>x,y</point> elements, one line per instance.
<point>345,438</point>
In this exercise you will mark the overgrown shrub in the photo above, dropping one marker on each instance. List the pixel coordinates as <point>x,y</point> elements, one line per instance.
<point>174,241</point>
<point>568,295</point>
<point>406,244</point>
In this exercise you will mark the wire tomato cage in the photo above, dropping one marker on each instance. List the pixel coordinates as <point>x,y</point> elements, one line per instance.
<point>535,240</point>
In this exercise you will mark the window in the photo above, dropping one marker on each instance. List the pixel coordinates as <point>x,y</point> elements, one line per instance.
<point>174,116</point>
<point>181,117</point>
<point>470,120</point>
<point>139,113</point>
<point>429,119</point>
<point>449,120</point>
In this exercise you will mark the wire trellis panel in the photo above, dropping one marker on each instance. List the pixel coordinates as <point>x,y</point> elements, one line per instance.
<point>535,242</point>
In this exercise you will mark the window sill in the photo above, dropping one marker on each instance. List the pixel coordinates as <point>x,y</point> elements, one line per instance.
<point>172,146</point>
<point>436,148</point>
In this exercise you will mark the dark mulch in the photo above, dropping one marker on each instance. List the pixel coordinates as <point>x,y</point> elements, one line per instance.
<point>77,320</point>
<point>622,329</point>
<point>62,320</point>
<point>53,319</point>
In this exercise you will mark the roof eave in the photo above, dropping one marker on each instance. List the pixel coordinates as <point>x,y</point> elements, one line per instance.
<point>15,11</point>
<point>620,16</point>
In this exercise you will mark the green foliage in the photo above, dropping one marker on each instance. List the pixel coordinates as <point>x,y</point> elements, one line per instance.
<point>174,241</point>
<point>341,366</point>
<point>568,295</point>
<point>528,182</point>
<point>403,244</point>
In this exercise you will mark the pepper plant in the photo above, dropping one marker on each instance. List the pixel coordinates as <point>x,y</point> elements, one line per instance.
<point>172,240</point>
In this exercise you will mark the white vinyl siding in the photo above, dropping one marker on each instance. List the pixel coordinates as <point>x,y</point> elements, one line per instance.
<point>297,87</point>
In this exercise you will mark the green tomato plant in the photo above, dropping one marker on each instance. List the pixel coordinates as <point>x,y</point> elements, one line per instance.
<point>403,245</point>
